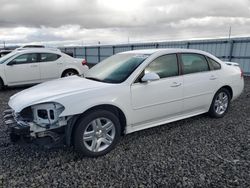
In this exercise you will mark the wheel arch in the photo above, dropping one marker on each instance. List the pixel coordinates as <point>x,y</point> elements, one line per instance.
<point>109,107</point>
<point>230,90</point>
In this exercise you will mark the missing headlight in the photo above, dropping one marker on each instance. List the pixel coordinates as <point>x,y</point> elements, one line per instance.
<point>47,114</point>
<point>26,114</point>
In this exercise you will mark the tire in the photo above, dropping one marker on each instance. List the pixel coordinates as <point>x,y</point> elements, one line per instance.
<point>97,133</point>
<point>220,103</point>
<point>69,72</point>
<point>1,84</point>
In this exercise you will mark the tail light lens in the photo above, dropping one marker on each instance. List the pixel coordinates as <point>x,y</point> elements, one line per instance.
<point>84,62</point>
<point>241,73</point>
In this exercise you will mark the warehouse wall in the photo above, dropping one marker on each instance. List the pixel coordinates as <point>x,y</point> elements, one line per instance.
<point>235,49</point>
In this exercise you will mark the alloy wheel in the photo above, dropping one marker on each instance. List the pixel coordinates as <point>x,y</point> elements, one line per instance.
<point>99,134</point>
<point>221,103</point>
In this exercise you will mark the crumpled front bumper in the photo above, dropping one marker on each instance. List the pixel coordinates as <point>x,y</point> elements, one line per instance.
<point>24,130</point>
<point>16,129</point>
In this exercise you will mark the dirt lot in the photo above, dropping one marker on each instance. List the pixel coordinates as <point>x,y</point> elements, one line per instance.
<point>199,151</point>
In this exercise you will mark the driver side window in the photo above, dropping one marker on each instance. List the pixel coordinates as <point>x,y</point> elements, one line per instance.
<point>25,58</point>
<point>165,66</point>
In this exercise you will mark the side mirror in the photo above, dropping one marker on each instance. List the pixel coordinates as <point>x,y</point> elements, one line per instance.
<point>13,62</point>
<point>151,76</point>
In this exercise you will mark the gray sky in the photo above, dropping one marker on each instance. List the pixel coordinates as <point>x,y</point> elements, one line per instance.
<point>77,22</point>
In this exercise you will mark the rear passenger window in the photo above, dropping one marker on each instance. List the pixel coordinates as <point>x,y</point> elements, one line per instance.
<point>193,63</point>
<point>49,57</point>
<point>215,65</point>
<point>164,66</point>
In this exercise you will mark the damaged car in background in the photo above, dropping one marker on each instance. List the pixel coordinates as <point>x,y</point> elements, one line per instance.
<point>127,92</point>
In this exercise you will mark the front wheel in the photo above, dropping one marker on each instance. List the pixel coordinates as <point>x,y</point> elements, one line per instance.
<point>97,133</point>
<point>1,84</point>
<point>220,103</point>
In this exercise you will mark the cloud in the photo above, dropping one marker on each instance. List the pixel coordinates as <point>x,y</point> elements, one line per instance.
<point>114,13</point>
<point>114,20</point>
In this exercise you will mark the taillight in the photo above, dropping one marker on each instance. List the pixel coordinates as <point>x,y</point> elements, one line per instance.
<point>84,62</point>
<point>241,73</point>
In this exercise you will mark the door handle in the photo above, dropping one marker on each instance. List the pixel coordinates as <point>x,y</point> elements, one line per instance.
<point>212,78</point>
<point>33,65</point>
<point>175,84</point>
<point>59,63</point>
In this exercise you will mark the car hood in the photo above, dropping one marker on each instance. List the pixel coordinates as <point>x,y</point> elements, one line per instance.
<point>52,90</point>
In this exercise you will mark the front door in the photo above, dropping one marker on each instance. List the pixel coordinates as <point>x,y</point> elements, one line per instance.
<point>23,69</point>
<point>160,99</point>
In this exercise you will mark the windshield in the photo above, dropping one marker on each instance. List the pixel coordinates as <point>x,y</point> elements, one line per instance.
<point>6,57</point>
<point>116,68</point>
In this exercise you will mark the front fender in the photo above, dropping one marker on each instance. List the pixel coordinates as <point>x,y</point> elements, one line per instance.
<point>81,102</point>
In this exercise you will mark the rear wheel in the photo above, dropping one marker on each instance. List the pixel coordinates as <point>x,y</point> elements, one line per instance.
<point>70,72</point>
<point>97,133</point>
<point>220,103</point>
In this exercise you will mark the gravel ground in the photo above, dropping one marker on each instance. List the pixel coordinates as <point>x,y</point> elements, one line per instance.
<point>196,152</point>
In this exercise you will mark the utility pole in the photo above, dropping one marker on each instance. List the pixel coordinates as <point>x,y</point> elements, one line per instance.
<point>229,33</point>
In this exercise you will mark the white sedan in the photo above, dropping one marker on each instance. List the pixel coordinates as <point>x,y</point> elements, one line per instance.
<point>31,66</point>
<point>127,92</point>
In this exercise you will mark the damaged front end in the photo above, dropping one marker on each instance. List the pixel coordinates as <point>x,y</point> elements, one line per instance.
<point>40,123</point>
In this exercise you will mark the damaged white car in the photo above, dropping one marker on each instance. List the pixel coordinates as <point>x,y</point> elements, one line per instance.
<point>127,92</point>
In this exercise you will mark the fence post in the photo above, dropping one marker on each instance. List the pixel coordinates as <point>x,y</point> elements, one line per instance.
<point>231,50</point>
<point>99,55</point>
<point>85,53</point>
<point>74,51</point>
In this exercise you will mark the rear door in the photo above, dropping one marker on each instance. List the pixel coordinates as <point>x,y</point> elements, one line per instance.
<point>160,99</point>
<point>50,66</point>
<point>23,69</point>
<point>199,83</point>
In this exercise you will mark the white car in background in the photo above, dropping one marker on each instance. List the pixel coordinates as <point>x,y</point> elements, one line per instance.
<point>127,92</point>
<point>36,65</point>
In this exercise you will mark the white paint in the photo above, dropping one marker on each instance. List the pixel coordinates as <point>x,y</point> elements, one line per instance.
<point>37,72</point>
<point>143,104</point>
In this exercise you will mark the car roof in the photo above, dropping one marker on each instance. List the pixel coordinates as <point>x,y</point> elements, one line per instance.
<point>38,50</point>
<point>6,51</point>
<point>33,46</point>
<point>165,50</point>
